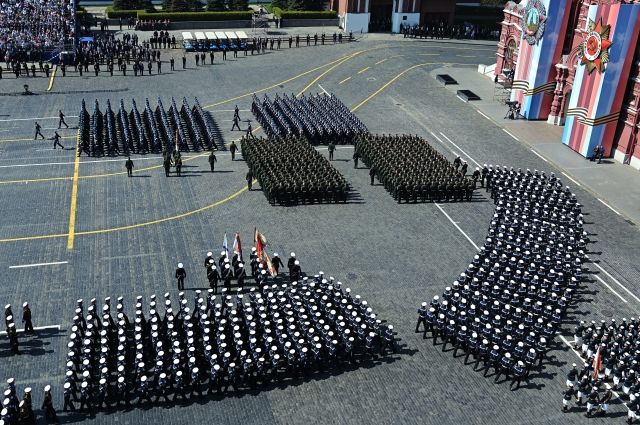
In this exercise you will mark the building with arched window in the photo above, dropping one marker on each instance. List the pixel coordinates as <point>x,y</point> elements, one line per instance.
<point>576,63</point>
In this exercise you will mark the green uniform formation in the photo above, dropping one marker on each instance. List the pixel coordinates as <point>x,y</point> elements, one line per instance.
<point>290,170</point>
<point>411,170</point>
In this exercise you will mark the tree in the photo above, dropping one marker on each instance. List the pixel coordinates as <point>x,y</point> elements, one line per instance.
<point>179,6</point>
<point>216,5</point>
<point>122,5</point>
<point>194,5</point>
<point>239,5</point>
<point>282,4</point>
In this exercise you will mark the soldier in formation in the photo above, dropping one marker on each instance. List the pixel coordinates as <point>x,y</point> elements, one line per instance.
<point>290,170</point>
<point>232,341</point>
<point>506,308</point>
<point>411,169</point>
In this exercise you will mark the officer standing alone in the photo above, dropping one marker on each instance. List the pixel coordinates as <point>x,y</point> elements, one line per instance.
<point>129,166</point>
<point>180,275</point>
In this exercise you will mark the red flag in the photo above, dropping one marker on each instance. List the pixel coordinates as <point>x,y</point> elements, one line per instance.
<point>259,245</point>
<point>597,363</point>
<point>263,257</point>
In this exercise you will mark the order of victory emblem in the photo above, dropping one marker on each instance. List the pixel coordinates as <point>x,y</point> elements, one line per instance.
<point>535,17</point>
<point>594,50</point>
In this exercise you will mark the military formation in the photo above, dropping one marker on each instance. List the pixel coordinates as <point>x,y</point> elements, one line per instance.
<point>277,332</point>
<point>411,169</point>
<point>610,353</point>
<point>506,308</point>
<point>319,119</point>
<point>188,129</point>
<point>290,170</point>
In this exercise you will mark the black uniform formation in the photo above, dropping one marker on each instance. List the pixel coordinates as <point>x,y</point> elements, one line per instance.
<point>124,133</point>
<point>411,170</point>
<point>617,344</point>
<point>320,119</point>
<point>290,170</point>
<point>172,351</point>
<point>507,306</point>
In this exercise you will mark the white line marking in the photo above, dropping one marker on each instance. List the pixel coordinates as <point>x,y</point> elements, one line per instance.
<point>36,328</point>
<point>608,206</point>
<point>122,257</point>
<point>325,92</point>
<point>569,177</point>
<point>482,113</point>
<point>512,136</point>
<point>229,110</point>
<point>437,138</point>
<point>539,156</point>
<point>345,80</point>
<point>38,118</point>
<point>465,56</point>
<point>616,281</point>
<point>22,266</point>
<point>458,227</point>
<point>610,288</point>
<point>460,149</point>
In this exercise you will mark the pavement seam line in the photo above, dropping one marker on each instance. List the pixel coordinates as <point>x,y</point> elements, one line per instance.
<point>315,80</point>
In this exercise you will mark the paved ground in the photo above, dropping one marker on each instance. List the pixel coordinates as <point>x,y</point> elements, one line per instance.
<point>130,232</point>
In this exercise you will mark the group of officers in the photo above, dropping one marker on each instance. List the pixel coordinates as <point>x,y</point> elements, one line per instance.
<point>505,309</point>
<point>617,344</point>
<point>411,169</point>
<point>12,331</point>
<point>290,170</point>
<point>320,119</point>
<point>173,351</point>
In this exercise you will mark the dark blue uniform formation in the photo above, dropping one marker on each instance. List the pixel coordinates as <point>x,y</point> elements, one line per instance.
<point>411,170</point>
<point>319,119</point>
<point>617,342</point>
<point>290,170</point>
<point>507,306</point>
<point>172,350</point>
<point>129,132</point>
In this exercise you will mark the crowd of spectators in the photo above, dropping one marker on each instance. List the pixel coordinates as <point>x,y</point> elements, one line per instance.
<point>440,31</point>
<point>30,27</point>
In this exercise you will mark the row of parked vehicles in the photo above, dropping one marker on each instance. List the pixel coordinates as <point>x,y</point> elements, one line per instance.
<point>218,40</point>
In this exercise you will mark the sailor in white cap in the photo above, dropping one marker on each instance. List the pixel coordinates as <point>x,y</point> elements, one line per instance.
<point>180,276</point>
<point>26,318</point>
<point>291,261</point>
<point>68,396</point>
<point>208,258</point>
<point>47,406</point>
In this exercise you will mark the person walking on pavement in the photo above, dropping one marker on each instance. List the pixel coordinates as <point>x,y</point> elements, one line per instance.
<point>356,157</point>
<point>233,148</point>
<point>56,141</point>
<point>249,132</point>
<point>179,166</point>
<point>167,165</point>
<point>61,121</point>
<point>372,174</point>
<point>236,123</point>
<point>180,275</point>
<point>38,132</point>
<point>129,166</point>
<point>212,161</point>
<point>332,147</point>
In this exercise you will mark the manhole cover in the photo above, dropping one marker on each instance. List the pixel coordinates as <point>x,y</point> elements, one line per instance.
<point>607,313</point>
<point>281,86</point>
<point>371,79</point>
<point>398,104</point>
<point>352,276</point>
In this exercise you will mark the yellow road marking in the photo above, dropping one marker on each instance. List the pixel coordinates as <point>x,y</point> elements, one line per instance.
<point>53,76</point>
<point>381,61</point>
<point>222,102</point>
<point>345,80</point>
<point>74,198</point>
<point>327,71</point>
<point>363,70</point>
<point>132,226</point>
<point>388,83</point>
